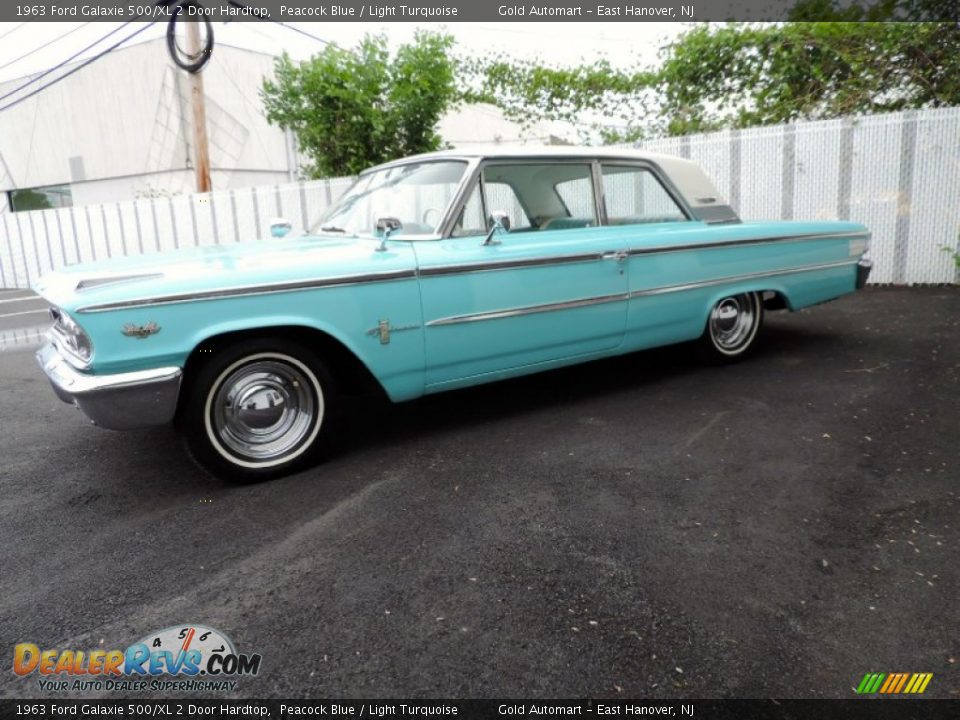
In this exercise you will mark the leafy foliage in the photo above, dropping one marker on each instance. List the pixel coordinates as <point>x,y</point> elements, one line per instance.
<point>954,254</point>
<point>527,91</point>
<point>353,109</point>
<point>742,74</point>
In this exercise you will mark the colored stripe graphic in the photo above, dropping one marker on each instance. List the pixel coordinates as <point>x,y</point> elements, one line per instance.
<point>903,680</point>
<point>894,683</point>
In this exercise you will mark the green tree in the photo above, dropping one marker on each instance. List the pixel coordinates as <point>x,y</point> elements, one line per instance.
<point>528,92</point>
<point>354,108</point>
<point>743,75</point>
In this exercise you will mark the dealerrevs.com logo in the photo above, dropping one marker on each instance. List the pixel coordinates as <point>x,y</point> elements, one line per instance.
<point>187,658</point>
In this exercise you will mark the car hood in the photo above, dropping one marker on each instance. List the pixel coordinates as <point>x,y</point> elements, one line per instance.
<point>220,267</point>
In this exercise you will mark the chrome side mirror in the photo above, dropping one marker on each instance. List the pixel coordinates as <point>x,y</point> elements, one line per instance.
<point>499,222</point>
<point>279,227</point>
<point>386,226</point>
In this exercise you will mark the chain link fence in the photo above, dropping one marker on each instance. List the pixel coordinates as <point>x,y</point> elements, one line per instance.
<point>898,174</point>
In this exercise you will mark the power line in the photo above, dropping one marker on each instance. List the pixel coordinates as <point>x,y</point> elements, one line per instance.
<point>302,32</point>
<point>262,16</point>
<point>59,65</point>
<point>12,30</point>
<point>46,44</point>
<point>77,68</point>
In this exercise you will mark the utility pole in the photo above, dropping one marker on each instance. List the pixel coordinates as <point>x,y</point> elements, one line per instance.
<point>201,146</point>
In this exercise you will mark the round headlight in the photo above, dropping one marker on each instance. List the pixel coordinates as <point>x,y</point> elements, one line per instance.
<point>75,340</point>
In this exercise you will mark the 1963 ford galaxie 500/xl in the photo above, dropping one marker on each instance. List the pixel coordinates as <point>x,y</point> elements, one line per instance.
<point>433,272</point>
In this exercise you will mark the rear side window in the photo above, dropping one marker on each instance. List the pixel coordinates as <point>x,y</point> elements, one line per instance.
<point>577,195</point>
<point>635,196</point>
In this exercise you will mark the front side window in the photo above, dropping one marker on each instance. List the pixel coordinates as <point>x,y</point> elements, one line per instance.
<point>502,198</point>
<point>471,220</point>
<point>542,196</point>
<point>417,194</point>
<point>633,196</point>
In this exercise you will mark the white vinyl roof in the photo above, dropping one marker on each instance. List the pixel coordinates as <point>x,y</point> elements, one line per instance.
<point>688,177</point>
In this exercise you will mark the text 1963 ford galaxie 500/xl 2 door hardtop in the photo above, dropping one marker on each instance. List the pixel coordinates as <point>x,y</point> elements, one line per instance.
<point>431,273</point>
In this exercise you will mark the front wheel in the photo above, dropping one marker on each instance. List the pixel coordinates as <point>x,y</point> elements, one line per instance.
<point>257,410</point>
<point>732,327</point>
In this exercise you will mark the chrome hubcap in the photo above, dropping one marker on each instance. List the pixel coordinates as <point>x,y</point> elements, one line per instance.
<point>732,321</point>
<point>264,410</point>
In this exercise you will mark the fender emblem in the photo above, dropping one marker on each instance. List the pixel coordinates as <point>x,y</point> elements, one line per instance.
<point>140,331</point>
<point>384,328</point>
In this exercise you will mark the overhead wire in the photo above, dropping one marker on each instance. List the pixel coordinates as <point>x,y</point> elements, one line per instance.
<point>59,65</point>
<point>45,45</point>
<point>74,69</point>
<point>266,16</point>
<point>12,30</point>
<point>94,58</point>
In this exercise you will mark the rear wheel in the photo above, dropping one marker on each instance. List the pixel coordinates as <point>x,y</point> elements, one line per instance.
<point>259,409</point>
<point>732,327</point>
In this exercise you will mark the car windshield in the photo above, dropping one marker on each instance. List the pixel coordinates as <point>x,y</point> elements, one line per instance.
<point>416,194</point>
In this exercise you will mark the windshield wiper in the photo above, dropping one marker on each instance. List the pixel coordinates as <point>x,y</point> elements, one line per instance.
<point>333,228</point>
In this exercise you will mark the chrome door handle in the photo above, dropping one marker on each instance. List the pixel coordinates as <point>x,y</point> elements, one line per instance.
<point>619,255</point>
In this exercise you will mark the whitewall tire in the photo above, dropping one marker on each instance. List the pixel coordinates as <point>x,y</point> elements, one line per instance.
<point>257,409</point>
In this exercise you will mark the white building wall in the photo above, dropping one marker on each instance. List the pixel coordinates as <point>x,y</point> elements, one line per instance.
<point>121,126</point>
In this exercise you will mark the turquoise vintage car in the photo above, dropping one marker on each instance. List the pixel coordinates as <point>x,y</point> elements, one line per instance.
<point>431,273</point>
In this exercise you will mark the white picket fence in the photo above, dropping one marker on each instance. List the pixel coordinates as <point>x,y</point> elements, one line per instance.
<point>899,174</point>
<point>31,243</point>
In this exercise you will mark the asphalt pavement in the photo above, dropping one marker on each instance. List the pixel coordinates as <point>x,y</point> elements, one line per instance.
<point>23,318</point>
<point>638,527</point>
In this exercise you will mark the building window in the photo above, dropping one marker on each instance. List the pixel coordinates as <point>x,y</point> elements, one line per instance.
<point>43,198</point>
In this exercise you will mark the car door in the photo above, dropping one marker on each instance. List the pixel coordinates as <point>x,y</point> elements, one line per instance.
<point>642,209</point>
<point>552,288</point>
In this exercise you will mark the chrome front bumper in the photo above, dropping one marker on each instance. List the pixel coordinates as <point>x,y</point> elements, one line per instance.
<point>125,401</point>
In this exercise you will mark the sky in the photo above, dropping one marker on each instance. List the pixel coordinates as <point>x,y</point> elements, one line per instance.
<point>623,44</point>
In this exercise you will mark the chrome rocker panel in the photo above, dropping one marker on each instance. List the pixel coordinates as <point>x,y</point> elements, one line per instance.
<point>125,401</point>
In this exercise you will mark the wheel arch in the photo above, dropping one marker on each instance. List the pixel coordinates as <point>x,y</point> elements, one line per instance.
<point>774,296</point>
<point>350,370</point>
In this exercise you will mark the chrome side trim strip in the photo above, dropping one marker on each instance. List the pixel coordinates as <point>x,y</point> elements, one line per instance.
<point>589,257</point>
<point>113,279</point>
<point>291,286</point>
<point>737,278</point>
<point>747,241</point>
<point>390,275</point>
<point>510,264</point>
<point>528,310</point>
